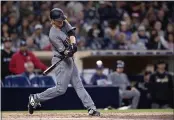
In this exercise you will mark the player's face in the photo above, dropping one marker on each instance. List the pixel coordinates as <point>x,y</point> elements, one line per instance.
<point>120,70</point>
<point>161,67</point>
<point>58,23</point>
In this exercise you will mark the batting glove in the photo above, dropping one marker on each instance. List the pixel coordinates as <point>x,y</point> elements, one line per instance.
<point>73,47</point>
<point>68,53</point>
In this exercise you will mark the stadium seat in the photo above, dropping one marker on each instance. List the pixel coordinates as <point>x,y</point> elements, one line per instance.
<point>16,81</point>
<point>36,82</point>
<point>7,81</point>
<point>47,80</point>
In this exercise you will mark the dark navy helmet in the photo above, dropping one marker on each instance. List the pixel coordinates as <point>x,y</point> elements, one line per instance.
<point>57,14</point>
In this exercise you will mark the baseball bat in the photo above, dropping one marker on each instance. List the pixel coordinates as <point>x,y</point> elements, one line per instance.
<point>48,70</point>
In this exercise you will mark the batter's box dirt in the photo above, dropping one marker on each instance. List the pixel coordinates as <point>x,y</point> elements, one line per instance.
<point>84,116</point>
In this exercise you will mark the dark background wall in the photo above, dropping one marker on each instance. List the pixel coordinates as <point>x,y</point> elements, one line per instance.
<point>17,98</point>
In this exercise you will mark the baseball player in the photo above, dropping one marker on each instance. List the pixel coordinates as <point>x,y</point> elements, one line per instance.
<point>62,37</point>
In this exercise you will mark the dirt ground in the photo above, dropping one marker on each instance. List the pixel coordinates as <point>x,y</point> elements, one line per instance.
<point>84,116</point>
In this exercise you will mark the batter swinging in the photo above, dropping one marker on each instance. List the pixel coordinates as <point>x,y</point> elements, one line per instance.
<point>62,37</point>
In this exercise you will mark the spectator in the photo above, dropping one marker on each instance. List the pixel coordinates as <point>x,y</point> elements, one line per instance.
<point>23,56</point>
<point>12,23</point>
<point>24,29</point>
<point>155,41</point>
<point>81,43</point>
<point>29,70</point>
<point>15,40</point>
<point>6,55</point>
<point>5,31</point>
<point>136,44</point>
<point>121,13</point>
<point>122,42</point>
<point>171,42</point>
<point>47,26</point>
<point>160,87</point>
<point>158,28</point>
<point>90,13</point>
<point>75,6</point>
<point>30,73</point>
<point>170,28</point>
<point>142,86</point>
<point>146,25</point>
<point>103,11</point>
<point>151,15</point>
<point>166,44</point>
<point>111,35</point>
<point>41,40</point>
<point>124,29</point>
<point>95,35</point>
<point>25,8</point>
<point>99,78</point>
<point>127,19</point>
<point>135,21</point>
<point>30,44</point>
<point>161,16</point>
<point>4,14</point>
<point>120,79</point>
<point>142,35</point>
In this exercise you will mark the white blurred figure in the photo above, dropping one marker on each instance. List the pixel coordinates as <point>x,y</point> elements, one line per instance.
<point>99,78</point>
<point>136,44</point>
<point>40,39</point>
<point>29,70</point>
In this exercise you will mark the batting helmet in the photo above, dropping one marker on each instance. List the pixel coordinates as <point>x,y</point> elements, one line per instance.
<point>57,14</point>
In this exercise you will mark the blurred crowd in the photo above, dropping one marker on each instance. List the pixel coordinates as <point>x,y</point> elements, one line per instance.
<point>100,25</point>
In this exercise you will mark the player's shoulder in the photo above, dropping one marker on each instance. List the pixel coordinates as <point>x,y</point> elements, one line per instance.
<point>53,32</point>
<point>124,74</point>
<point>169,74</point>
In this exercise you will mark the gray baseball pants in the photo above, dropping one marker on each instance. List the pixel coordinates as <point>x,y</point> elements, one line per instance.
<point>66,72</point>
<point>127,94</point>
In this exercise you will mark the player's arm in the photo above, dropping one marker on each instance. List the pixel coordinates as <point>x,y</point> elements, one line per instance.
<point>73,41</point>
<point>72,38</point>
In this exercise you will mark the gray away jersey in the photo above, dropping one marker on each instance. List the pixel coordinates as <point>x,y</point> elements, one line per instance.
<point>59,38</point>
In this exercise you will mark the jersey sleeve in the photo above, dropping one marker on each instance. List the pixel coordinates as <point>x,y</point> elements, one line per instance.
<point>57,41</point>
